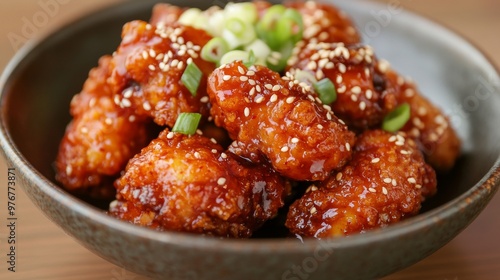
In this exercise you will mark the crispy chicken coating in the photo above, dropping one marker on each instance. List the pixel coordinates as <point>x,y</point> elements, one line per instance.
<point>386,181</point>
<point>361,103</point>
<point>272,117</point>
<point>187,183</point>
<point>427,125</point>
<point>368,89</point>
<point>148,66</point>
<point>102,136</point>
<point>325,23</point>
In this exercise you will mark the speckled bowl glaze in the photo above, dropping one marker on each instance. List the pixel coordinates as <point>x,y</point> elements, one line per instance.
<point>38,84</point>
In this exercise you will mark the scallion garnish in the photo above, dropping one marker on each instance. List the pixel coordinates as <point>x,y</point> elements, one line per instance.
<point>251,59</point>
<point>191,78</point>
<point>233,56</point>
<point>326,91</point>
<point>187,123</point>
<point>238,33</point>
<point>214,50</point>
<point>396,119</point>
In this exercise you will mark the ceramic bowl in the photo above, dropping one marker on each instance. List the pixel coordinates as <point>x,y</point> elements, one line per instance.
<point>39,83</point>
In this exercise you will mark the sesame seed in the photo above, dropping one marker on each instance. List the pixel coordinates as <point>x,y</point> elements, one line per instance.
<point>369,94</point>
<point>319,126</point>
<point>347,146</point>
<point>342,68</point>
<point>250,73</point>
<point>247,112</point>
<point>241,70</point>
<point>204,99</point>
<point>387,180</point>
<point>252,82</point>
<point>108,121</point>
<point>126,103</point>
<point>295,140</point>
<point>170,135</point>
<point>259,99</point>
<point>268,86</point>
<point>152,67</point>
<point>199,132</point>
<point>372,190</point>
<point>313,210</point>
<point>418,186</point>
<point>69,170</point>
<point>197,155</point>
<point>399,143</point>
<point>412,180</point>
<point>339,176</point>
<point>354,98</point>
<point>223,155</point>
<point>258,88</point>
<point>221,181</point>
<point>226,77</point>
<point>362,105</point>
<point>252,91</point>
<point>405,152</point>
<point>131,118</point>
<point>243,78</point>
<point>146,106</point>
<point>328,116</point>
<point>285,149</point>
<point>393,138</point>
<point>290,100</point>
<point>341,89</point>
<point>384,191</point>
<point>356,90</point>
<point>329,65</point>
<point>84,130</point>
<point>375,160</point>
<point>213,140</point>
<point>180,65</point>
<point>274,97</point>
<point>214,151</point>
<point>145,54</point>
<point>276,88</point>
<point>174,63</point>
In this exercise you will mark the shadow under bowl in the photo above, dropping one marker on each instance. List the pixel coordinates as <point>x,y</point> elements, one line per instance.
<point>38,84</point>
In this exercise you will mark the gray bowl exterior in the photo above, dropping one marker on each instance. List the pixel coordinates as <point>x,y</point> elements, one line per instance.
<point>37,86</point>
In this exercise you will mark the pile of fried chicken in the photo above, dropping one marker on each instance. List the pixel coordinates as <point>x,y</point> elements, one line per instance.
<point>263,135</point>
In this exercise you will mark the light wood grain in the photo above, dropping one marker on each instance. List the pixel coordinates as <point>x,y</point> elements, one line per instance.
<point>46,252</point>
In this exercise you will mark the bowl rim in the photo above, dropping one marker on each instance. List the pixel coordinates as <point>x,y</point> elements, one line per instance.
<point>490,182</point>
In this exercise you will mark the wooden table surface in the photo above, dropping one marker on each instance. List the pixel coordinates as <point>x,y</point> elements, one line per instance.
<point>46,252</point>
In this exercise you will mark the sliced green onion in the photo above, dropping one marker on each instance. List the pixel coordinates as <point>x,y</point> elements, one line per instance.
<point>234,56</point>
<point>244,11</point>
<point>259,48</point>
<point>396,119</point>
<point>238,33</point>
<point>278,64</point>
<point>250,60</point>
<point>187,123</point>
<point>216,23</point>
<point>291,26</point>
<point>191,78</point>
<point>189,16</point>
<point>266,28</point>
<point>326,91</point>
<point>214,49</point>
<point>304,76</point>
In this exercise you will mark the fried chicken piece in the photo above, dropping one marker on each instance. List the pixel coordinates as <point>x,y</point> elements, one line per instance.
<point>148,66</point>
<point>102,136</point>
<point>428,125</point>
<point>275,118</point>
<point>361,103</point>
<point>165,14</point>
<point>385,182</point>
<point>188,184</point>
<point>368,89</point>
<point>325,23</point>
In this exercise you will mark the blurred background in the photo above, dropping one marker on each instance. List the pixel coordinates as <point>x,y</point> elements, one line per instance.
<point>45,252</point>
